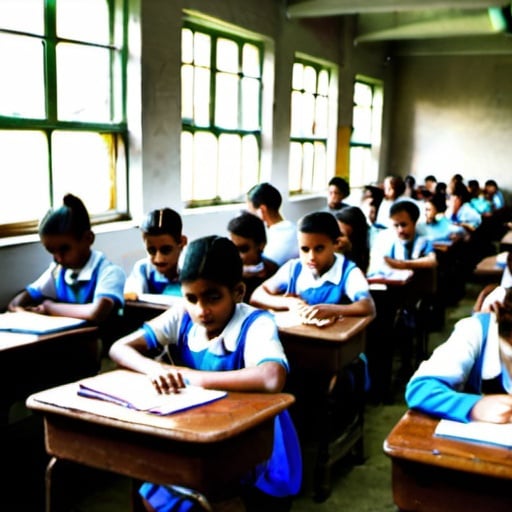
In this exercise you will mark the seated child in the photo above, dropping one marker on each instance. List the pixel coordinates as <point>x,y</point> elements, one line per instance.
<point>164,241</point>
<point>216,341</point>
<point>321,284</point>
<point>469,377</point>
<point>354,241</point>
<point>247,232</point>
<point>80,283</point>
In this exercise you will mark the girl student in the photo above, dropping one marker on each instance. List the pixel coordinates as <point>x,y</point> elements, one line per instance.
<point>217,341</point>
<point>164,241</point>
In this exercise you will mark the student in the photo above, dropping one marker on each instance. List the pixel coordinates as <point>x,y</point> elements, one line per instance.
<point>400,312</point>
<point>436,226</point>
<point>469,376</point>
<point>354,239</point>
<point>264,200</point>
<point>322,284</point>
<point>459,211</point>
<point>477,198</point>
<point>81,283</point>
<point>218,342</point>
<point>247,232</point>
<point>338,191</point>
<point>394,189</point>
<point>493,293</point>
<point>158,272</point>
<point>494,194</point>
<point>402,248</point>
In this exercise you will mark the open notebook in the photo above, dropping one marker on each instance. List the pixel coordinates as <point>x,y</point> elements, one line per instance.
<point>480,431</point>
<point>135,391</point>
<point>34,323</point>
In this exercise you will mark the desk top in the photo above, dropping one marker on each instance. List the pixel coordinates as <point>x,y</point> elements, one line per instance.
<point>209,423</point>
<point>489,266</point>
<point>412,438</point>
<point>342,330</point>
<point>392,278</point>
<point>13,340</point>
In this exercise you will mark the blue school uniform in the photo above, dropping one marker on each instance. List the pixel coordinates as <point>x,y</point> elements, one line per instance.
<point>250,338</point>
<point>460,371</point>
<point>97,278</point>
<point>144,278</point>
<point>343,282</point>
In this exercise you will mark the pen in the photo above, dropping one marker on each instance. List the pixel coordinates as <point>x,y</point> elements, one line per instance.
<point>454,452</point>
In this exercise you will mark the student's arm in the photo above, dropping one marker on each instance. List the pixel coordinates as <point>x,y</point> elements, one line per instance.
<point>131,352</point>
<point>21,301</point>
<point>96,312</point>
<point>262,297</point>
<point>362,307</point>
<point>427,261</point>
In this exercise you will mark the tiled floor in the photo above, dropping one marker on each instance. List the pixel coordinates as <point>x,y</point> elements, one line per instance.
<point>362,488</point>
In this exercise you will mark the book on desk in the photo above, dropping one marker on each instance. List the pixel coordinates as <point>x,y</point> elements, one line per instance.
<point>499,434</point>
<point>34,323</point>
<point>135,391</point>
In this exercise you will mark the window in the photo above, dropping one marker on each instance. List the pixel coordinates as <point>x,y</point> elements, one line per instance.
<point>366,135</point>
<point>221,80</point>
<point>62,112</point>
<point>313,114</point>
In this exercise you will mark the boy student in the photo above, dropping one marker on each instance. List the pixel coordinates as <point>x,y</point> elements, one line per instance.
<point>321,284</point>
<point>338,191</point>
<point>469,376</point>
<point>158,272</point>
<point>218,342</point>
<point>247,232</point>
<point>264,200</point>
<point>397,316</point>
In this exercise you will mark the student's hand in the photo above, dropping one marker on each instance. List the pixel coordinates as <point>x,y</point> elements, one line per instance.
<point>167,380</point>
<point>393,263</point>
<point>493,408</point>
<point>130,296</point>
<point>318,314</point>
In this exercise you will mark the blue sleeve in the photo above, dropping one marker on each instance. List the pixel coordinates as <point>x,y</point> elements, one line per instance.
<point>432,395</point>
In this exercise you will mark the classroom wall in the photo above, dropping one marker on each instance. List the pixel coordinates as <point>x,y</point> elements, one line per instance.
<point>453,114</point>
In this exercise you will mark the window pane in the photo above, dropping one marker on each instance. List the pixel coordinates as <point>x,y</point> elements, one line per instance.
<point>226,101</point>
<point>202,97</point>
<point>83,20</point>
<point>251,61</point>
<point>323,82</point>
<point>83,165</point>
<point>362,94</point>
<point>80,98</point>
<point>295,169</point>
<point>227,55</point>
<point>230,157</point>
<point>362,123</point>
<point>319,178</point>
<point>20,167</point>
<point>13,15</point>
<point>187,97</point>
<point>202,49</point>
<point>187,166</point>
<point>250,104</point>
<point>250,163</point>
<point>187,46</point>
<point>307,166</point>
<point>205,166</point>
<point>22,82</point>
<point>298,76</point>
<point>321,117</point>
<point>361,172</point>
<point>308,115</point>
<point>310,79</point>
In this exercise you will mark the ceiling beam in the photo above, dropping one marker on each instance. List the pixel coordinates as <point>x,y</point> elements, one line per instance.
<point>320,8</point>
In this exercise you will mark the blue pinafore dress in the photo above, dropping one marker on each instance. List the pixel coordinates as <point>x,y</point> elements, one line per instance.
<point>280,475</point>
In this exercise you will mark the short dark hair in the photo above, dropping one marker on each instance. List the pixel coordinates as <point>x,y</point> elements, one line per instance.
<point>320,222</point>
<point>405,206</point>
<point>341,184</point>
<point>249,226</point>
<point>267,194</point>
<point>214,258</point>
<point>163,221</point>
<point>72,218</point>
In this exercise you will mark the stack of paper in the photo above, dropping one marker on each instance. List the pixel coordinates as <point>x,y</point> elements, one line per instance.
<point>34,323</point>
<point>135,391</point>
<point>481,431</point>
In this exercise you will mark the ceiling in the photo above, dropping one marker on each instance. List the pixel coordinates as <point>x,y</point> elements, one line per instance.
<point>421,26</point>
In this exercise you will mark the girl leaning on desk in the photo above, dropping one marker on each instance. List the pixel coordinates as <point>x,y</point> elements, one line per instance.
<point>216,341</point>
<point>469,377</point>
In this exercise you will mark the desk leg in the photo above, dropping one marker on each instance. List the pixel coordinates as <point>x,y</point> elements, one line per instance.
<point>337,437</point>
<point>53,501</point>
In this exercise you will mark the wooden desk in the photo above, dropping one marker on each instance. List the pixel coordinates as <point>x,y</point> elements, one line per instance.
<point>433,474</point>
<point>318,357</point>
<point>489,269</point>
<point>44,360</point>
<point>506,242</point>
<point>207,448</point>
